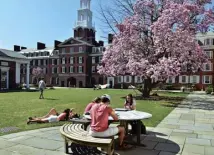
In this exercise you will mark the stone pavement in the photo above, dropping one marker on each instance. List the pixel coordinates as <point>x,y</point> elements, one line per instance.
<point>187,130</point>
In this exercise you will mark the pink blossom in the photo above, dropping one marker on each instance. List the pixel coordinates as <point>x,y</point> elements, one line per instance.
<point>159,39</point>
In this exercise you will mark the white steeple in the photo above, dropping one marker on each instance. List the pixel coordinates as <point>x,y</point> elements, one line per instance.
<point>84,15</point>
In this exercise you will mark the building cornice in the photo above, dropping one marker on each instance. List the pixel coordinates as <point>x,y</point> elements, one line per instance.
<point>16,60</point>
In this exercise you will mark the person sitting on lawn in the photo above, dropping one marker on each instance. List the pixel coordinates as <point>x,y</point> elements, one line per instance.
<point>130,103</point>
<point>99,121</point>
<point>53,116</point>
<point>90,105</point>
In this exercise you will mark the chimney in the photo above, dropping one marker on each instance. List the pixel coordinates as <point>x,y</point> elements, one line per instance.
<point>110,38</point>
<point>16,48</point>
<point>56,43</point>
<point>23,48</point>
<point>40,46</point>
<point>101,43</point>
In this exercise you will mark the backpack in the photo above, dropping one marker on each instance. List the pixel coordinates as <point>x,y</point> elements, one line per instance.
<point>134,127</point>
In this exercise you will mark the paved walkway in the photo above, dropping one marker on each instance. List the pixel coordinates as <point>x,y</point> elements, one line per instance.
<point>187,130</point>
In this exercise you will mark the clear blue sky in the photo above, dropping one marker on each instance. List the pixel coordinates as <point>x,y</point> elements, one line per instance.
<point>24,22</point>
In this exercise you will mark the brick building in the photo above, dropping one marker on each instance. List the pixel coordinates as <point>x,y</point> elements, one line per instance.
<point>10,62</point>
<point>203,77</point>
<point>72,62</point>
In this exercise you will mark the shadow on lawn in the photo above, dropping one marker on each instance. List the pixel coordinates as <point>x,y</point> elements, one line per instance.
<point>18,91</point>
<point>51,99</point>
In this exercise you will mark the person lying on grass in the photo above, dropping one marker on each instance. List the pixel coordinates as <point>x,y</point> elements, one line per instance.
<point>53,116</point>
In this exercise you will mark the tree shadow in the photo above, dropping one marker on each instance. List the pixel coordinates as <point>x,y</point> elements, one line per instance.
<point>155,143</point>
<point>193,103</point>
<point>51,99</point>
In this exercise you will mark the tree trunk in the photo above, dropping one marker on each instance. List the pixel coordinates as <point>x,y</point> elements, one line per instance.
<point>147,87</point>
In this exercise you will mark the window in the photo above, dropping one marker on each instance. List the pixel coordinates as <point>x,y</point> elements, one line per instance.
<point>207,79</point>
<point>71,60</point>
<point>93,60</point>
<point>52,61</point>
<point>100,59</point>
<point>93,69</point>
<point>80,60</point>
<point>71,69</point>
<point>170,80</point>
<point>23,70</point>
<point>127,79</point>
<point>80,69</point>
<point>194,79</point>
<point>63,60</point>
<point>209,54</point>
<point>53,70</point>
<point>120,79</point>
<point>208,67</point>
<point>207,42</point>
<point>63,50</point>
<point>63,69</point>
<point>57,70</point>
<point>183,79</point>
<point>80,49</point>
<point>71,50</point>
<point>33,62</point>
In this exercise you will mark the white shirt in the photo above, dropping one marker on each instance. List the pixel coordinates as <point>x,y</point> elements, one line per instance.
<point>41,84</point>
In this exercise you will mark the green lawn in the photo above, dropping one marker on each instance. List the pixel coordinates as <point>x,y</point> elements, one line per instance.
<point>18,106</point>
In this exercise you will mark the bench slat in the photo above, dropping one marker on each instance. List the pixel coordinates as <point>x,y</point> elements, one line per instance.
<point>75,132</point>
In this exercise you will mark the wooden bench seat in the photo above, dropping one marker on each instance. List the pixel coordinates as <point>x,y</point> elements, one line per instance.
<point>75,134</point>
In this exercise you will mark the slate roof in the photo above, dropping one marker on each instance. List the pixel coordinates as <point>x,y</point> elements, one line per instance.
<point>34,50</point>
<point>78,40</point>
<point>11,54</point>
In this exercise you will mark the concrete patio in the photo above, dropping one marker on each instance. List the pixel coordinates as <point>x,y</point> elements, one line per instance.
<point>187,130</point>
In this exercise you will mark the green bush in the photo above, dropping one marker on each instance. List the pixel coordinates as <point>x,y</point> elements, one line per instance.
<point>209,89</point>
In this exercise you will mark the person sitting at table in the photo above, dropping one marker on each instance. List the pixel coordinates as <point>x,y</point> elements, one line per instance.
<point>90,105</point>
<point>99,121</point>
<point>130,103</point>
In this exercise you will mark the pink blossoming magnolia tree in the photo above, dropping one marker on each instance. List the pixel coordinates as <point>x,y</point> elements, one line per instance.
<point>37,72</point>
<point>158,40</point>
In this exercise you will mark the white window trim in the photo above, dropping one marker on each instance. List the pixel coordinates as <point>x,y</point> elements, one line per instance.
<point>210,79</point>
<point>93,69</point>
<point>210,65</point>
<point>210,54</point>
<point>57,61</point>
<point>185,79</point>
<point>71,70</point>
<point>44,62</point>
<point>80,60</point>
<point>125,79</point>
<point>63,70</point>
<point>93,60</point>
<point>57,70</point>
<point>100,59</point>
<point>52,61</point>
<point>71,60</point>
<point>120,79</point>
<point>63,61</point>
<point>80,70</point>
<point>53,70</point>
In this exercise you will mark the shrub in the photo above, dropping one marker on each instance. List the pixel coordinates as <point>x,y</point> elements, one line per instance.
<point>209,89</point>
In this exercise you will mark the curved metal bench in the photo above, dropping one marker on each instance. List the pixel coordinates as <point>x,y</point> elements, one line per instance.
<point>82,143</point>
